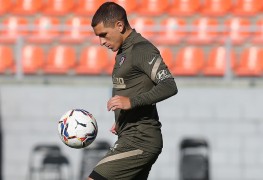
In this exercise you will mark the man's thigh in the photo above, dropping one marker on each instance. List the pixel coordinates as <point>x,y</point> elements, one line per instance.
<point>124,162</point>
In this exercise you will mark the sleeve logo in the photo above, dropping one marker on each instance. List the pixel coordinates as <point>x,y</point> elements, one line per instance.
<point>163,74</point>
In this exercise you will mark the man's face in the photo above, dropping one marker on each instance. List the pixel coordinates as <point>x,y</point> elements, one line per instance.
<point>110,37</point>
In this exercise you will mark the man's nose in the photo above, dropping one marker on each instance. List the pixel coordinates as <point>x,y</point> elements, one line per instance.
<point>102,41</point>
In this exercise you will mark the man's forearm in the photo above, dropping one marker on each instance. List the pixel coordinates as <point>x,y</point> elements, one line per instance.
<point>161,91</point>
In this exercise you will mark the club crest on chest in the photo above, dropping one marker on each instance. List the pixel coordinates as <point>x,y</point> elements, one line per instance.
<point>121,61</point>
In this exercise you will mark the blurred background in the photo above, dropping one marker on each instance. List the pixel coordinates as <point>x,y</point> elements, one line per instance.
<point>50,62</point>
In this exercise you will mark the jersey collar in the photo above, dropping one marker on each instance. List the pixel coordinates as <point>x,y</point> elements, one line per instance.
<point>129,40</point>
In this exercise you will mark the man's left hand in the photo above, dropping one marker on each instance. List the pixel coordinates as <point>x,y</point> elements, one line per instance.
<point>119,102</point>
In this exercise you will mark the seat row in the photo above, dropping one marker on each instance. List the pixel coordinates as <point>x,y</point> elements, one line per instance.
<point>170,30</point>
<point>141,7</point>
<point>97,60</point>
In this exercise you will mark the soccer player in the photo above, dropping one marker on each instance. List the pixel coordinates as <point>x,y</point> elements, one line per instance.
<point>140,80</point>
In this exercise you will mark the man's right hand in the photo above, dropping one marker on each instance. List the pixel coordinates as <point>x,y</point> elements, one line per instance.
<point>113,129</point>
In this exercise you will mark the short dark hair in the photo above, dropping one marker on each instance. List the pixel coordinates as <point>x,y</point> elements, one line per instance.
<point>109,13</point>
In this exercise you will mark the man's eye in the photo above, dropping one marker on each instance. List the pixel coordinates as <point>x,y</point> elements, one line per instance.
<point>103,35</point>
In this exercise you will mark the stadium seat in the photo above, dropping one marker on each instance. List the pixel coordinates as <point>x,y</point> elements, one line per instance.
<point>27,7</point>
<point>5,6</point>
<point>87,7</point>
<point>58,7</point>
<point>45,29</point>
<point>247,7</point>
<point>128,5</point>
<point>237,30</point>
<point>111,63</point>
<point>93,60</point>
<point>216,62</point>
<point>204,31</point>
<point>216,7</point>
<point>184,7</point>
<point>33,58</point>
<point>153,7</point>
<point>257,37</point>
<point>77,30</point>
<point>167,56</point>
<point>188,61</point>
<point>61,59</point>
<point>172,31</point>
<point>250,62</point>
<point>146,26</point>
<point>6,59</point>
<point>13,27</point>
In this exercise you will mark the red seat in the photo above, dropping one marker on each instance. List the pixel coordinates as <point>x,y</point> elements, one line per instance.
<point>216,64</point>
<point>27,7</point>
<point>204,31</point>
<point>237,30</point>
<point>216,7</point>
<point>184,7</point>
<point>258,34</point>
<point>13,27</point>
<point>145,26</point>
<point>87,7</point>
<point>250,62</point>
<point>111,63</point>
<point>6,59</point>
<point>188,61</point>
<point>153,7</point>
<point>61,59</point>
<point>172,31</point>
<point>5,6</point>
<point>167,56</point>
<point>247,7</point>
<point>77,30</point>
<point>58,7</point>
<point>45,29</point>
<point>128,5</point>
<point>93,60</point>
<point>33,58</point>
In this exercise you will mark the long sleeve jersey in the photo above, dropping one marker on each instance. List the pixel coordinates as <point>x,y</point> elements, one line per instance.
<point>141,74</point>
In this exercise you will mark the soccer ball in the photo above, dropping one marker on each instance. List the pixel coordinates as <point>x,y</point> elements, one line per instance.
<point>77,128</point>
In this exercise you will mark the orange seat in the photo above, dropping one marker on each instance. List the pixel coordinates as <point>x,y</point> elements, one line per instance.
<point>258,34</point>
<point>58,7</point>
<point>153,7</point>
<point>5,6</point>
<point>184,7</point>
<point>145,26</point>
<point>237,30</point>
<point>111,63</point>
<point>250,62</point>
<point>128,5</point>
<point>188,61</point>
<point>167,56</point>
<point>204,31</point>
<point>61,59</point>
<point>6,59</point>
<point>77,30</point>
<point>217,62</point>
<point>216,7</point>
<point>93,60</point>
<point>13,27</point>
<point>172,31</point>
<point>45,29</point>
<point>33,58</point>
<point>87,7</point>
<point>27,7</point>
<point>247,7</point>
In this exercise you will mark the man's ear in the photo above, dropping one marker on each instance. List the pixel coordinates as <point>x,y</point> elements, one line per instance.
<point>120,26</point>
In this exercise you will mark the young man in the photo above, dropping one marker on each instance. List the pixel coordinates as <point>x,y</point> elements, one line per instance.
<point>140,80</point>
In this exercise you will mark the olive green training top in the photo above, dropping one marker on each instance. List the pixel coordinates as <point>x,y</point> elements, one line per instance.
<point>140,74</point>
